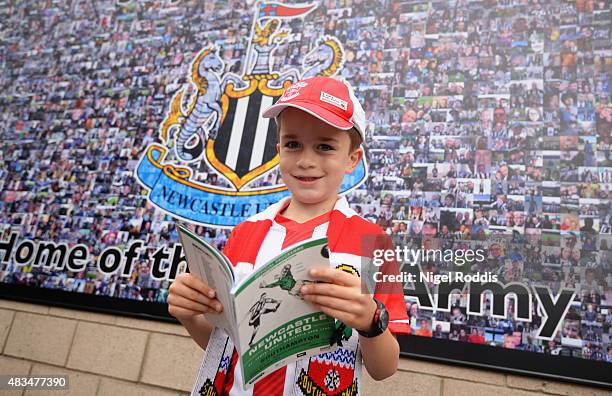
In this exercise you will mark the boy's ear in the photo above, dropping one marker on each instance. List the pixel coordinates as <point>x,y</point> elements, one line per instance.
<point>277,148</point>
<point>353,160</point>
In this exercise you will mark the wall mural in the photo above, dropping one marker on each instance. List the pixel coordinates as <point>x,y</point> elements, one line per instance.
<point>488,128</point>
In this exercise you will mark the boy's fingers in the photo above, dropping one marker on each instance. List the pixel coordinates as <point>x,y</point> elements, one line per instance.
<point>329,289</point>
<point>195,295</point>
<point>185,303</point>
<point>181,312</point>
<point>342,316</point>
<point>338,304</point>
<point>336,276</point>
<point>199,285</point>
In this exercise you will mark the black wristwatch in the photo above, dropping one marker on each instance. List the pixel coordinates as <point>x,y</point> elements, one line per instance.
<point>379,322</point>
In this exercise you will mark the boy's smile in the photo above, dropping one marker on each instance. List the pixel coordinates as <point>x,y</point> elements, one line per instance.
<point>308,179</point>
<point>314,157</point>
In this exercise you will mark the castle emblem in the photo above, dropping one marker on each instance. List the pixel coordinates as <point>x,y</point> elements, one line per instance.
<point>214,123</point>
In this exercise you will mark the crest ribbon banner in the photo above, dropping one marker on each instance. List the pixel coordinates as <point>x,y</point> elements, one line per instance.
<point>172,191</point>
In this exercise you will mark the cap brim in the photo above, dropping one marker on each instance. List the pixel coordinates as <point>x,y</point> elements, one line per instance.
<point>316,111</point>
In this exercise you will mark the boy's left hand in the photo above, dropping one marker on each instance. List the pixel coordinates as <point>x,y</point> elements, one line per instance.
<point>339,295</point>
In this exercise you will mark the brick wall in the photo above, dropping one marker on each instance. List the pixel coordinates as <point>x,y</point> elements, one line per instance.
<point>116,355</point>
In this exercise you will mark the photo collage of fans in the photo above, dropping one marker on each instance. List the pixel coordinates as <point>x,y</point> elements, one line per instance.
<point>488,127</point>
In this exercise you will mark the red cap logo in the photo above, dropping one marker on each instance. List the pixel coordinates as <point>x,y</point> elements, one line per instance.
<point>293,91</point>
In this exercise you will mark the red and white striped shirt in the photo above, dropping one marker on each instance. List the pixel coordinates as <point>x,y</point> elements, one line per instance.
<point>257,240</point>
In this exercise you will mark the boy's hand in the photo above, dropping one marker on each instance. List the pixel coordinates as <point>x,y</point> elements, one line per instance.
<point>189,296</point>
<point>340,296</point>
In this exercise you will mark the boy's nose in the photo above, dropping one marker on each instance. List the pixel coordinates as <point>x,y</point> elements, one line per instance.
<point>306,160</point>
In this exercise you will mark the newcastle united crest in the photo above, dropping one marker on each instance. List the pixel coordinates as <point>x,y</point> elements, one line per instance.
<point>215,125</point>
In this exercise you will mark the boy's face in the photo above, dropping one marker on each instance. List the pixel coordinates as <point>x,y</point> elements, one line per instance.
<point>314,157</point>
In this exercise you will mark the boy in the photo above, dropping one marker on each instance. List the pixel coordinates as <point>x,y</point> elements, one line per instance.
<point>321,126</point>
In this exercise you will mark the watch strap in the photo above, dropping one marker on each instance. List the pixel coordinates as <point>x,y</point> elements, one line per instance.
<point>379,324</point>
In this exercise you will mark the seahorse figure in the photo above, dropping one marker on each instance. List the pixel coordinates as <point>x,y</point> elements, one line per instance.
<point>325,59</point>
<point>203,111</point>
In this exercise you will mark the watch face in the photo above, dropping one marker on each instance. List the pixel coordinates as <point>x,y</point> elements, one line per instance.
<point>380,321</point>
<point>383,319</point>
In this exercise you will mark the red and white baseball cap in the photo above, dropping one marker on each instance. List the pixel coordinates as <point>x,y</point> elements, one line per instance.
<point>330,100</point>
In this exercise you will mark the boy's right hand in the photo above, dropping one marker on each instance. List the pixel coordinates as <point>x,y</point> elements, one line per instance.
<point>189,297</point>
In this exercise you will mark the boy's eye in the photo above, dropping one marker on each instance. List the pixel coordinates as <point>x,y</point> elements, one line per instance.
<point>292,144</point>
<point>325,147</point>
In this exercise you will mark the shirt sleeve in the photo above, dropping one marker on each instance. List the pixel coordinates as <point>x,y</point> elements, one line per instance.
<point>391,294</point>
<point>229,249</point>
